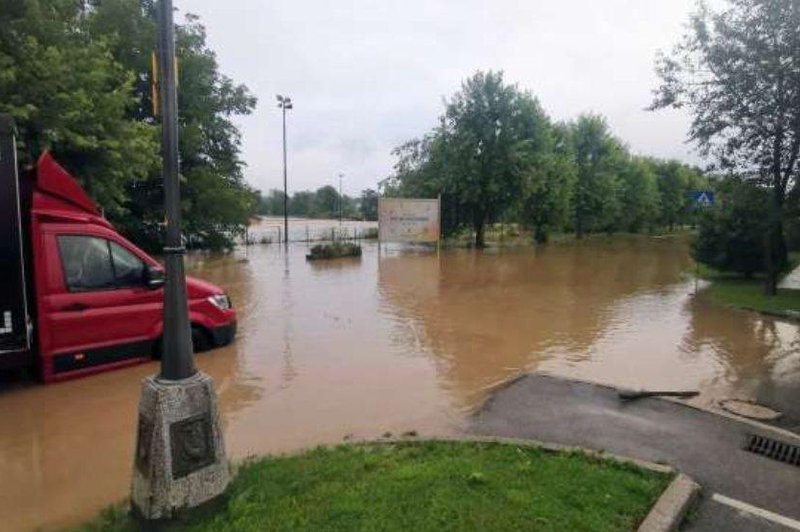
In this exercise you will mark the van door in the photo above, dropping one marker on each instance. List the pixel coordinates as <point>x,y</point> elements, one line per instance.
<point>105,313</point>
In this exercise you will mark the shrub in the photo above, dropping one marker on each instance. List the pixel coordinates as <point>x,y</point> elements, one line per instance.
<point>370,234</point>
<point>335,250</point>
<point>731,236</point>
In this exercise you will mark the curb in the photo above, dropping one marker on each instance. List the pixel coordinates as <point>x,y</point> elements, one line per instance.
<point>671,507</point>
<point>765,427</point>
<point>524,442</point>
<point>559,448</point>
<point>785,315</point>
<point>778,431</point>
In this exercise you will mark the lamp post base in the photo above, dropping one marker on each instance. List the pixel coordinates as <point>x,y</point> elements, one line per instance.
<point>180,458</point>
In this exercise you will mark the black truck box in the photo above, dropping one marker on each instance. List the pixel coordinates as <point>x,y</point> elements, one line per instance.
<point>14,315</point>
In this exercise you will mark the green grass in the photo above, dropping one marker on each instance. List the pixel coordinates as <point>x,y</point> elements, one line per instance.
<point>428,486</point>
<point>739,292</point>
<point>748,294</point>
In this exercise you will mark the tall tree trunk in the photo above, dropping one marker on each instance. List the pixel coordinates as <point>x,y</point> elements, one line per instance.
<point>775,244</point>
<point>480,239</point>
<point>540,234</point>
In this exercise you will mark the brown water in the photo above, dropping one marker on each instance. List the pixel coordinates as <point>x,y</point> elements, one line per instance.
<point>394,342</point>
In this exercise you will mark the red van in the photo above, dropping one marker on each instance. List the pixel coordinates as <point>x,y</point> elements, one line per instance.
<point>78,297</point>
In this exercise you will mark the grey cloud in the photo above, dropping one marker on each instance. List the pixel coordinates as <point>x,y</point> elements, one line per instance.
<point>367,75</point>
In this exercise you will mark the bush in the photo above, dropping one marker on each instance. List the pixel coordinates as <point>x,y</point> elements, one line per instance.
<point>731,236</point>
<point>333,251</point>
<point>370,234</point>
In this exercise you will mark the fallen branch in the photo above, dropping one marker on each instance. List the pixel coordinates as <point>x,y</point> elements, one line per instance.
<point>630,395</point>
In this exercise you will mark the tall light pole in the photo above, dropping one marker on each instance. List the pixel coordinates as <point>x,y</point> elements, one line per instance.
<point>177,362</point>
<point>180,457</point>
<point>341,175</point>
<point>284,102</point>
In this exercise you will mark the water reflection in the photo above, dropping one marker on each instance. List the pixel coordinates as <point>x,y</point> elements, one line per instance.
<point>393,342</point>
<point>486,316</point>
<point>67,448</point>
<point>757,357</point>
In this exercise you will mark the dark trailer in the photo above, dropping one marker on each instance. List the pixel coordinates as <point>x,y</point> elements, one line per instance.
<point>14,317</point>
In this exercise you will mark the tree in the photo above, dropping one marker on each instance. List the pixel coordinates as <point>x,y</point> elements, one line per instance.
<point>209,141</point>
<point>547,169</point>
<point>368,204</point>
<point>731,235</point>
<point>639,196</point>
<point>738,71</point>
<point>272,203</point>
<point>495,155</point>
<point>480,127</point>
<point>76,77</point>
<point>598,156</point>
<point>68,94</point>
<point>326,203</point>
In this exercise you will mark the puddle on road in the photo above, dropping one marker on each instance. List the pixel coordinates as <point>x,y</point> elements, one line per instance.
<point>395,341</point>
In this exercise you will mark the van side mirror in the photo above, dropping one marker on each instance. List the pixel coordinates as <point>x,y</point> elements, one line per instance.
<point>153,277</point>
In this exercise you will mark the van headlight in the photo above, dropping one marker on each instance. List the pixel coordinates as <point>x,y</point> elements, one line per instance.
<point>220,301</point>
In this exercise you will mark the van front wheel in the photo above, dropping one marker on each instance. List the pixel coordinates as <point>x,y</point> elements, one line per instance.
<point>200,339</point>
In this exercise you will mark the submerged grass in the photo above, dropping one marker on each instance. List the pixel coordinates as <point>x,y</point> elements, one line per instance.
<point>428,486</point>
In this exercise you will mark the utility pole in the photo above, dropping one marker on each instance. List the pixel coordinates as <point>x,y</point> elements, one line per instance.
<point>284,102</point>
<point>341,175</point>
<point>180,457</point>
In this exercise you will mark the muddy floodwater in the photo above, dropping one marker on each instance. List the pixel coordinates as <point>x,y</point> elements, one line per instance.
<point>395,341</point>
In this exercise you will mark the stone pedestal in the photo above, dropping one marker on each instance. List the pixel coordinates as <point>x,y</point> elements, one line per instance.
<point>180,458</point>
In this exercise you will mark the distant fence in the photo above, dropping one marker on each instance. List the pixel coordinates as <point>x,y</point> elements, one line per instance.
<point>272,232</point>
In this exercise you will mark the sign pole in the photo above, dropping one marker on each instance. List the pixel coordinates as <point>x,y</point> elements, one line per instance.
<point>696,275</point>
<point>701,199</point>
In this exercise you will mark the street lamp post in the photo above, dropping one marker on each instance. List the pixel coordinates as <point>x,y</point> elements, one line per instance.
<point>341,175</point>
<point>284,102</point>
<point>178,362</point>
<point>180,457</point>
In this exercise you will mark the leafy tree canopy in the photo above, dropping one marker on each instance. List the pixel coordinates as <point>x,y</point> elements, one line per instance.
<point>737,70</point>
<point>497,156</point>
<point>76,77</point>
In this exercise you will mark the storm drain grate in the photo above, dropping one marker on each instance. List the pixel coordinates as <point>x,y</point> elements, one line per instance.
<point>774,449</point>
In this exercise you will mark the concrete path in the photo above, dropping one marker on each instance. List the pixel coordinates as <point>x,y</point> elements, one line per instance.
<point>791,280</point>
<point>783,396</point>
<point>707,447</point>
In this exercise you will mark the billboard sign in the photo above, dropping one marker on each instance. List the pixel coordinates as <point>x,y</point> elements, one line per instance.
<point>408,220</point>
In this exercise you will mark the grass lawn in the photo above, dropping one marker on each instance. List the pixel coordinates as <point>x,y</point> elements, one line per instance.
<point>739,292</point>
<point>427,486</point>
<point>749,294</point>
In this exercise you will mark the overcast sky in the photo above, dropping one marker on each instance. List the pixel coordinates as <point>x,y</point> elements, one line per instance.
<point>368,75</point>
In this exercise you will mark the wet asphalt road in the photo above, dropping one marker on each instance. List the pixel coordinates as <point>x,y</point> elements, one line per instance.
<point>707,447</point>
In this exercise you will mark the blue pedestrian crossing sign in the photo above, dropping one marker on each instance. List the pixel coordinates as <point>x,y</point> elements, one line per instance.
<point>703,198</point>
